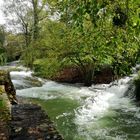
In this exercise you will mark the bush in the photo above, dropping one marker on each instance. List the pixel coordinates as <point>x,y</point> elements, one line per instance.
<point>46,68</point>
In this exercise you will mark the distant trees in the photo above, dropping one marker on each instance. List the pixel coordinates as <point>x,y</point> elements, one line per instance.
<point>24,17</point>
<point>14,46</point>
<point>10,45</point>
<point>18,18</point>
<point>2,36</point>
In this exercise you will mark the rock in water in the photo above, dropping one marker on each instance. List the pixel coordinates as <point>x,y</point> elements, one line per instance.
<point>29,122</point>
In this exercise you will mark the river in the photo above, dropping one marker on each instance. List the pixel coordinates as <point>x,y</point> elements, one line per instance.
<point>99,112</point>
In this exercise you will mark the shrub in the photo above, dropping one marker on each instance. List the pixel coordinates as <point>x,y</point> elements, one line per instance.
<point>46,68</point>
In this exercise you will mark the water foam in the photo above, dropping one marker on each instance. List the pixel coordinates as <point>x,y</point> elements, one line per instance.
<point>103,98</point>
<point>96,102</point>
<point>21,73</point>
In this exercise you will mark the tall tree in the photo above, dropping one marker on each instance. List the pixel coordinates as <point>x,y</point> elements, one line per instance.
<point>25,15</point>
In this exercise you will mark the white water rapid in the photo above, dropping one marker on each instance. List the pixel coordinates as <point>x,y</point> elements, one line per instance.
<point>104,112</point>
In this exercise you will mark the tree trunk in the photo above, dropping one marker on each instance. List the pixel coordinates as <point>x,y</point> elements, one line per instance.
<point>36,19</point>
<point>88,76</point>
<point>27,36</point>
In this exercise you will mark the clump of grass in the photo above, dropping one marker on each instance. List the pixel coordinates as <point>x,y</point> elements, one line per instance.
<point>4,111</point>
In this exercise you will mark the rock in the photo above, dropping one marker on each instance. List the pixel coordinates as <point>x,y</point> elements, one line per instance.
<point>74,75</point>
<point>29,122</point>
<point>137,88</point>
<point>69,75</point>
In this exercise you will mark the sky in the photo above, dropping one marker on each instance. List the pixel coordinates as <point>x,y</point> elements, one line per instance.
<point>2,20</point>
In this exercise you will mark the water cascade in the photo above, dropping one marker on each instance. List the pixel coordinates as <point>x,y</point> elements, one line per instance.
<point>99,112</point>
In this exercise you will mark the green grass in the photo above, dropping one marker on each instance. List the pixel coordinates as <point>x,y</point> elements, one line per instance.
<point>4,112</point>
<point>2,103</point>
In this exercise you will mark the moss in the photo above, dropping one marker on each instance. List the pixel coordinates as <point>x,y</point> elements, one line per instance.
<point>4,111</point>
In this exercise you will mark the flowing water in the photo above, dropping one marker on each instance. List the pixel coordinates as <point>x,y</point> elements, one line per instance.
<point>99,112</point>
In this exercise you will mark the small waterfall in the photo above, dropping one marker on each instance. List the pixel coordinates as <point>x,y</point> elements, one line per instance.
<point>107,101</point>
<point>105,111</point>
<point>112,95</point>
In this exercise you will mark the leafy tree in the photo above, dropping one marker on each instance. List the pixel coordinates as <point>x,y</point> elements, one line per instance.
<point>99,33</point>
<point>14,46</point>
<point>27,15</point>
<point>88,35</point>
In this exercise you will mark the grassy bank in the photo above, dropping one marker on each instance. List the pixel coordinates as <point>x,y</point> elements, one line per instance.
<point>4,109</point>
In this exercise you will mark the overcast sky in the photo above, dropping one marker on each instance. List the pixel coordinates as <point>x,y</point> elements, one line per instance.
<point>2,21</point>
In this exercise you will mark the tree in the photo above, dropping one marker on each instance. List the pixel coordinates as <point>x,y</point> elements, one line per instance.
<point>99,33</point>
<point>88,35</point>
<point>25,16</point>
<point>14,46</point>
<point>18,17</point>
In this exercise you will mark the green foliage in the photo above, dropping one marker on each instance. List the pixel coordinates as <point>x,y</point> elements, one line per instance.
<point>104,42</point>
<point>46,68</point>
<point>13,46</point>
<point>89,34</point>
<point>4,111</point>
<point>87,37</point>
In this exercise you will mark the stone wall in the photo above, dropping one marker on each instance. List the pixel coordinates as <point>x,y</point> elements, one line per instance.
<point>30,122</point>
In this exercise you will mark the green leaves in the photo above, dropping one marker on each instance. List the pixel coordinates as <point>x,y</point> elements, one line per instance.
<point>87,37</point>
<point>46,68</point>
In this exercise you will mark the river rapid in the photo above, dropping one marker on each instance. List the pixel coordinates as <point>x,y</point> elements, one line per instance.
<point>99,112</point>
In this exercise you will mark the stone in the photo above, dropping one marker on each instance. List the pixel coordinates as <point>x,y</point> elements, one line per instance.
<point>30,122</point>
